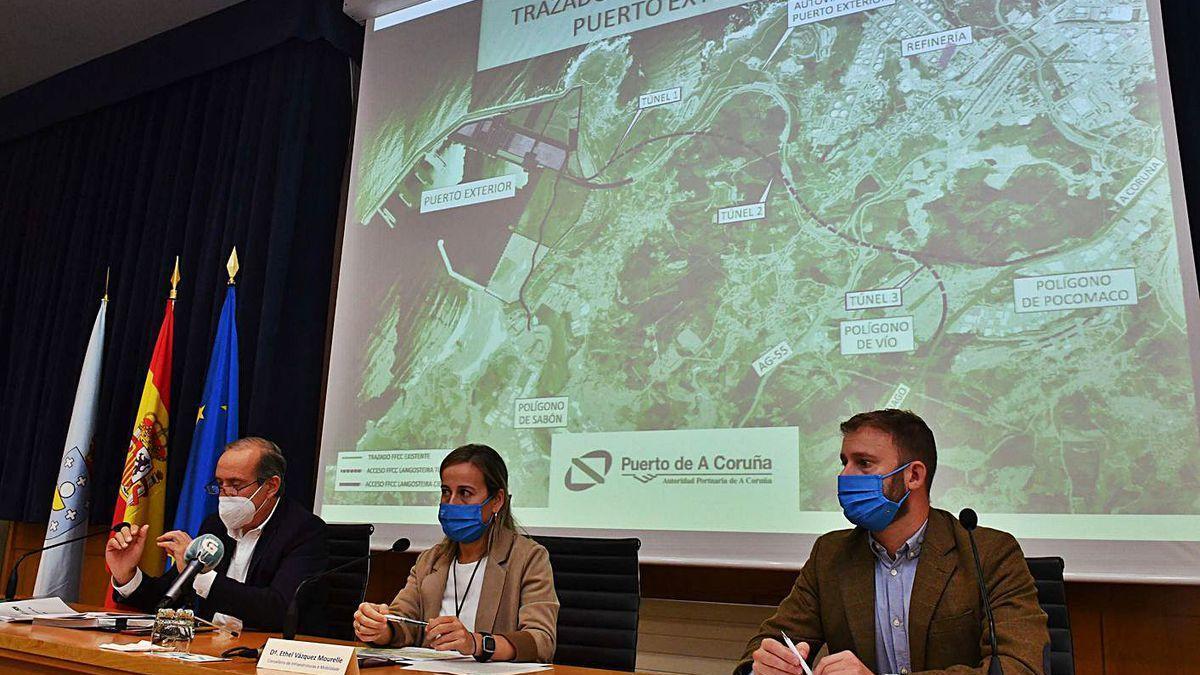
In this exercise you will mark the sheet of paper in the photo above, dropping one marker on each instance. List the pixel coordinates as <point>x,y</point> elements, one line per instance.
<point>115,615</point>
<point>25,610</point>
<point>139,646</point>
<point>31,617</point>
<point>189,658</point>
<point>411,654</point>
<point>85,622</point>
<point>472,667</point>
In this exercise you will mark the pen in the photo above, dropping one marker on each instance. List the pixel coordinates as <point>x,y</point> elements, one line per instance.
<point>792,646</point>
<point>221,628</point>
<point>404,619</point>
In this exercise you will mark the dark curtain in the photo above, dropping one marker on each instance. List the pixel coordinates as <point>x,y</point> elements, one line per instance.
<point>1180,22</point>
<point>249,153</point>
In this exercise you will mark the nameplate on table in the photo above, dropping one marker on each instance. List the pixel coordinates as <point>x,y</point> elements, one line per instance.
<point>313,658</point>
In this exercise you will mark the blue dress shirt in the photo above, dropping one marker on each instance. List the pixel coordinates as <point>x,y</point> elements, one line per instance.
<point>893,592</point>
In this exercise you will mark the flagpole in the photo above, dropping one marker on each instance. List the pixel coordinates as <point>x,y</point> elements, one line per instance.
<point>216,417</point>
<point>61,565</point>
<point>141,495</point>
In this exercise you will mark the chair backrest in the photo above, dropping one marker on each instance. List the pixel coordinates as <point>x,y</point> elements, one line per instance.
<point>1052,596</point>
<point>599,593</point>
<point>345,589</point>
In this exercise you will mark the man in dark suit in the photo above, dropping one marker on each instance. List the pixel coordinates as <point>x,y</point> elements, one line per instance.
<point>899,592</point>
<point>271,545</point>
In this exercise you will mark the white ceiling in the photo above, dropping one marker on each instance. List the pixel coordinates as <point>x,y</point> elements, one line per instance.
<point>41,38</point>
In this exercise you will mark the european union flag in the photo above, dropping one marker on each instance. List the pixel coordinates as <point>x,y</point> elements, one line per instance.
<point>216,422</point>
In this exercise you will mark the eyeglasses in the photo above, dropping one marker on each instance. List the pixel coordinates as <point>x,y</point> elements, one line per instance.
<point>215,488</point>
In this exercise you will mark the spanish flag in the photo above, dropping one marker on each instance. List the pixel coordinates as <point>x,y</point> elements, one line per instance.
<point>141,497</point>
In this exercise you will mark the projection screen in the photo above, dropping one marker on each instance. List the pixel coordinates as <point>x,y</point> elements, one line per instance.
<point>654,251</point>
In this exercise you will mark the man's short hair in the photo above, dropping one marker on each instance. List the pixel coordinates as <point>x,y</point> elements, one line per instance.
<point>271,461</point>
<point>908,431</point>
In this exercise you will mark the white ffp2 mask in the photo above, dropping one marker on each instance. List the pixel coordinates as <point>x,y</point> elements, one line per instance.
<point>235,512</point>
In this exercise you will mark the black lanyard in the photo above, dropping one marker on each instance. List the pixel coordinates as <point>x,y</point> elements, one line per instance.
<point>458,606</point>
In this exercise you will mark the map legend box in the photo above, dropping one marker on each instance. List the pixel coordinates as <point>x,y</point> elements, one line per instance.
<point>389,470</point>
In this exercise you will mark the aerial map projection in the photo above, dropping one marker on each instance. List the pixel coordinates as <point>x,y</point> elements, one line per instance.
<point>654,251</point>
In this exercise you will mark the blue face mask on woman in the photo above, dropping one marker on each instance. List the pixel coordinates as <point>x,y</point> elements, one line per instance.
<point>463,523</point>
<point>864,503</point>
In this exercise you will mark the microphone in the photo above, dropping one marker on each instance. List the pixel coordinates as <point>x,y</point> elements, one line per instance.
<point>293,611</point>
<point>201,556</point>
<point>970,520</point>
<point>10,591</point>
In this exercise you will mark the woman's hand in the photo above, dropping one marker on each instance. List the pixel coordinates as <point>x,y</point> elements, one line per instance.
<point>371,624</point>
<point>446,633</point>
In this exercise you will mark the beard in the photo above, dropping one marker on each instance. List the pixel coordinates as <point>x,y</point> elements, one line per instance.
<point>893,489</point>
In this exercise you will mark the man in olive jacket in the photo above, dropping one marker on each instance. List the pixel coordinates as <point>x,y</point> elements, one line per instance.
<point>898,594</point>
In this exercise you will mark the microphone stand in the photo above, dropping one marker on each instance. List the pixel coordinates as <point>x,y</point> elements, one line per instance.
<point>970,522</point>
<point>10,591</point>
<point>292,618</point>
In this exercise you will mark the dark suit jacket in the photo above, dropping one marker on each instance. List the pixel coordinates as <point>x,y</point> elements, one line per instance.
<point>292,548</point>
<point>833,602</point>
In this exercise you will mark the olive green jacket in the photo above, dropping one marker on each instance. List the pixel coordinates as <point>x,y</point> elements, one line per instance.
<point>833,602</point>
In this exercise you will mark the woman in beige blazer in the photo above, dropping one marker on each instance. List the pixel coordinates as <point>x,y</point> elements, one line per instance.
<point>486,591</point>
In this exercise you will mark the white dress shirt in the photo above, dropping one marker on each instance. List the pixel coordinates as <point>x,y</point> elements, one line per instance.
<point>239,565</point>
<point>461,574</point>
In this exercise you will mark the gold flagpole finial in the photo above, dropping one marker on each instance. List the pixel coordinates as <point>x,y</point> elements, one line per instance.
<point>175,279</point>
<point>107,272</point>
<point>232,266</point>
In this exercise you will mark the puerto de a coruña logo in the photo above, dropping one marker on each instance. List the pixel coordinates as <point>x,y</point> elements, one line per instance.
<point>588,470</point>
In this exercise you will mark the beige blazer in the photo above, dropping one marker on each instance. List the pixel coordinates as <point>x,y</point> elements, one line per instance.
<point>517,599</point>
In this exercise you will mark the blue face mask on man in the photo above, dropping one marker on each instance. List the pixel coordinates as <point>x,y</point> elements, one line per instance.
<point>464,523</point>
<point>864,503</point>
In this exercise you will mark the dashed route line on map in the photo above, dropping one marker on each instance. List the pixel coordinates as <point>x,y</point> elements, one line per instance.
<point>792,191</point>
<point>924,259</point>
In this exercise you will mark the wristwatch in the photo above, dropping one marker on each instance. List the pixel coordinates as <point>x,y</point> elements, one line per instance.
<point>487,648</point>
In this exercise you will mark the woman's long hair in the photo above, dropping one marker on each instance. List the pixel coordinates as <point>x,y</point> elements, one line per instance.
<point>495,478</point>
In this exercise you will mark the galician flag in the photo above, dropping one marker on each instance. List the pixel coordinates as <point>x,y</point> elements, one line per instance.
<point>141,497</point>
<point>217,419</point>
<point>59,570</point>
